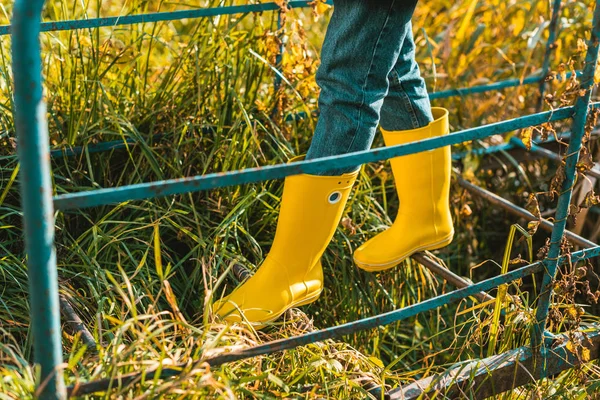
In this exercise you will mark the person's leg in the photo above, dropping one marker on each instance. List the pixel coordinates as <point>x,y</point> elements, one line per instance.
<point>406,105</point>
<point>362,51</point>
<point>422,180</point>
<point>362,45</point>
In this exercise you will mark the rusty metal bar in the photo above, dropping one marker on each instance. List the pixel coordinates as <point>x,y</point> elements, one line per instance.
<point>549,154</point>
<point>448,275</point>
<point>521,212</point>
<point>558,158</point>
<point>72,318</point>
<point>480,379</point>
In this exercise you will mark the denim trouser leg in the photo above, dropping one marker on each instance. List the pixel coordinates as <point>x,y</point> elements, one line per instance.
<point>406,105</point>
<point>367,71</point>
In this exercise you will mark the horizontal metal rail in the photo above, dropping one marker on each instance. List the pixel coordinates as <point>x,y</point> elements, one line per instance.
<point>456,280</point>
<point>340,330</point>
<point>484,88</point>
<point>549,154</point>
<point>396,315</point>
<point>120,144</point>
<point>90,23</point>
<point>250,175</point>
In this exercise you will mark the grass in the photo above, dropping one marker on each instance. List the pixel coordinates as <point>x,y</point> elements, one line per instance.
<point>197,96</point>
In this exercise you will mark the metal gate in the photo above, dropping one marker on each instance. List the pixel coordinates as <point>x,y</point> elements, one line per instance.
<point>547,353</point>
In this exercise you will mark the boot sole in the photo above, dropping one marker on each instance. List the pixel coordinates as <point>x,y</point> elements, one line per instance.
<point>430,246</point>
<point>299,303</point>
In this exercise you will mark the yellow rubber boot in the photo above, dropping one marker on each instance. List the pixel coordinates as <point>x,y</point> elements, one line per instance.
<point>422,181</point>
<point>291,275</point>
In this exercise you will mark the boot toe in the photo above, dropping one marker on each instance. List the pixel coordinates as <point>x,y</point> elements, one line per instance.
<point>369,260</point>
<point>259,305</point>
<point>233,313</point>
<point>380,252</point>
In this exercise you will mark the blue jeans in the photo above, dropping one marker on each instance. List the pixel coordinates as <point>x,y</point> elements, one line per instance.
<point>368,77</point>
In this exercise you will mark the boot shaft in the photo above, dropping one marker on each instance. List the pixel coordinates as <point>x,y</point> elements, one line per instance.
<point>423,179</point>
<point>311,208</point>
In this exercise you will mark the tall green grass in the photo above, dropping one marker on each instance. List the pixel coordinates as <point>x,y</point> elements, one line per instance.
<point>198,96</point>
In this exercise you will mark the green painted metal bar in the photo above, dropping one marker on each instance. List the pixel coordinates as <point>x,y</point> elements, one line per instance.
<point>582,106</point>
<point>160,16</point>
<point>223,179</point>
<point>484,88</point>
<point>393,316</point>
<point>36,195</point>
<point>340,330</point>
<point>279,57</point>
<point>92,148</point>
<point>550,44</point>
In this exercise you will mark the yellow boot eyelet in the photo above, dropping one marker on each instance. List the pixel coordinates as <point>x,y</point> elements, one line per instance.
<point>334,197</point>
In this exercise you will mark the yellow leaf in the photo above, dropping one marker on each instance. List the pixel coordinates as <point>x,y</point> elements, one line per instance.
<point>322,7</point>
<point>377,362</point>
<point>518,22</point>
<point>172,300</point>
<point>466,21</point>
<point>581,46</point>
<point>157,257</point>
<point>465,210</point>
<point>526,136</point>
<point>585,354</point>
<point>597,74</point>
<point>572,311</point>
<point>319,8</point>
<point>532,226</point>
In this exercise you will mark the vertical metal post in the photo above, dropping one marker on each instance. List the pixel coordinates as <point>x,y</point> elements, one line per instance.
<point>279,57</point>
<point>564,200</point>
<point>36,197</point>
<point>553,28</point>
